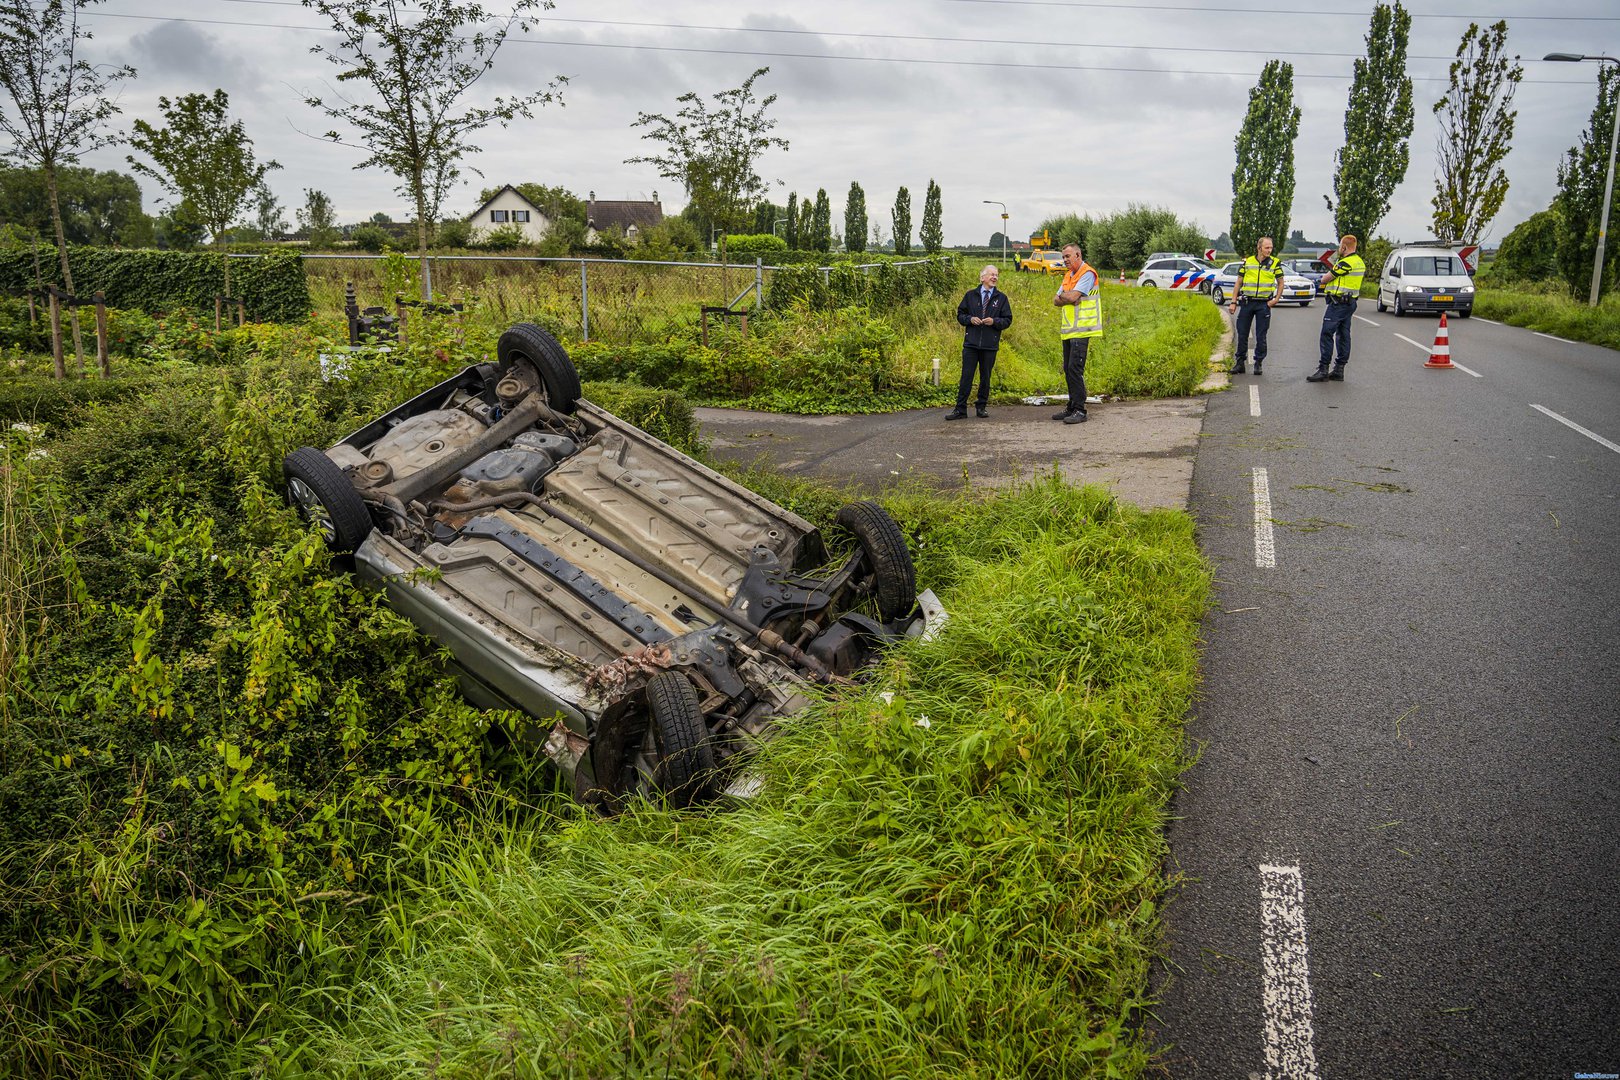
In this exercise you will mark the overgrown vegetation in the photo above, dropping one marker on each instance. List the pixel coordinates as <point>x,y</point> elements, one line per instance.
<point>1548,307</point>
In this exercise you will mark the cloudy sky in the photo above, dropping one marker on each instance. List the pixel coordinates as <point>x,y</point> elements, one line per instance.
<point>1048,106</point>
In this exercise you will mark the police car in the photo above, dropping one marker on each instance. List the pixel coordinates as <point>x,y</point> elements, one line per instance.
<point>1177,272</point>
<point>1297,289</point>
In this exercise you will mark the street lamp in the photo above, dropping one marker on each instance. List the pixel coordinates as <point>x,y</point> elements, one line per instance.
<point>993,202</point>
<point>775,223</point>
<point>1608,185</point>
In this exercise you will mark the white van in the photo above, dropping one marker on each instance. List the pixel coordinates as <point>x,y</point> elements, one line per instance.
<point>1423,278</point>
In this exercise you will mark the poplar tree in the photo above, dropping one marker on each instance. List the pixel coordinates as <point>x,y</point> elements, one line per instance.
<point>791,229</point>
<point>855,228</point>
<point>807,224</point>
<point>1581,177</point>
<point>1377,126</point>
<point>821,223</point>
<point>1476,118</point>
<point>902,222</point>
<point>60,104</point>
<point>932,233</point>
<point>1263,180</point>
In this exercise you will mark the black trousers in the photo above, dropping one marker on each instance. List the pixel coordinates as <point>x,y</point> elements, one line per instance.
<point>1336,332</point>
<point>1257,313</point>
<point>975,360</point>
<point>1074,371</point>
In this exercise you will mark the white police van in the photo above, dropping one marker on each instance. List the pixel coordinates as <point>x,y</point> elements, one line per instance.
<point>1427,278</point>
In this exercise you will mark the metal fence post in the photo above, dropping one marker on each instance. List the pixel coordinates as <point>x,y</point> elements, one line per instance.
<point>759,283</point>
<point>584,303</point>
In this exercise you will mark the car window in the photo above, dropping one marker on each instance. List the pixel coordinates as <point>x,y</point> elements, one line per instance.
<point>1162,264</point>
<point>1185,264</point>
<point>1432,265</point>
<point>1231,268</point>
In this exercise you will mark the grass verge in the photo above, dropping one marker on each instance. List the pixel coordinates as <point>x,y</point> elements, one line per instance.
<point>960,879</point>
<point>1554,313</point>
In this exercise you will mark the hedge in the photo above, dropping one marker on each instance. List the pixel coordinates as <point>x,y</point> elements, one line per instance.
<point>156,282</point>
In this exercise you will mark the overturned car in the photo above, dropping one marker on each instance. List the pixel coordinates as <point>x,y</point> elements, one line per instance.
<point>654,617</point>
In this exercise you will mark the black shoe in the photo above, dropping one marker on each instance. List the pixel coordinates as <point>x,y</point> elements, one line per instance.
<point>1257,367</point>
<point>981,413</point>
<point>1338,374</point>
<point>956,414</point>
<point>1075,418</point>
<point>1237,369</point>
<point>1064,415</point>
<point>1320,375</point>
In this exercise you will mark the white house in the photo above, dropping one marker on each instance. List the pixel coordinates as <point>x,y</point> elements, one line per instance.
<point>506,208</point>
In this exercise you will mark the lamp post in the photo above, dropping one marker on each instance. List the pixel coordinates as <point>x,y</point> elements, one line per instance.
<point>993,202</point>
<point>1608,185</point>
<point>775,223</point>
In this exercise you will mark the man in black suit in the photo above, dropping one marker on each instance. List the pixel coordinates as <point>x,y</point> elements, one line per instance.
<point>985,312</point>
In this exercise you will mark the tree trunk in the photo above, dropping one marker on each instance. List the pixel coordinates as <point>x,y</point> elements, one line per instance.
<point>62,253</point>
<point>422,238</point>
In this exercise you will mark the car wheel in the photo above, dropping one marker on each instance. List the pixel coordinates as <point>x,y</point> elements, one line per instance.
<point>894,577</point>
<point>558,376</point>
<point>685,772</point>
<point>1381,306</point>
<point>1148,284</point>
<point>1218,294</point>
<point>1304,303</point>
<point>323,496</point>
<point>1203,287</point>
<point>1399,312</point>
<point>1463,313</point>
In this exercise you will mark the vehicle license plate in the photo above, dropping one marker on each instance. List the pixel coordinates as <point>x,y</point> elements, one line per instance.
<point>1444,299</point>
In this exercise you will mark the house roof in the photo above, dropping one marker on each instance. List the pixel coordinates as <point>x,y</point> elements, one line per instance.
<point>497,195</point>
<point>606,214</point>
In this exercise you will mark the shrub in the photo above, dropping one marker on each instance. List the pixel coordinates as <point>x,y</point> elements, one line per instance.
<point>1530,251</point>
<point>754,244</point>
<point>502,238</point>
<point>455,233</point>
<point>272,285</point>
<point>371,238</point>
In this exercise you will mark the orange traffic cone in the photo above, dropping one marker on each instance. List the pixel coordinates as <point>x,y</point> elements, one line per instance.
<point>1440,357</point>
<point>1122,277</point>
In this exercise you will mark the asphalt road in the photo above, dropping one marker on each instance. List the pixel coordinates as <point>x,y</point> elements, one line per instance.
<point>1401,844</point>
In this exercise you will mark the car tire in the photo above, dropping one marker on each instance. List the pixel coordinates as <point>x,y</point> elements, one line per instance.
<point>1304,303</point>
<point>1204,287</point>
<point>558,376</point>
<point>894,577</point>
<point>1464,313</point>
<point>1149,284</point>
<point>321,493</point>
<point>1218,294</point>
<point>1381,306</point>
<point>1399,313</point>
<point>685,771</point>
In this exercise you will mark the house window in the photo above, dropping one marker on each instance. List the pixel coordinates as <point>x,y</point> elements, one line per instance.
<point>520,215</point>
<point>497,215</point>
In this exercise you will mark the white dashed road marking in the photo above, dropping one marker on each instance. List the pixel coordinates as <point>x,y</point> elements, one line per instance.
<point>1594,436</point>
<point>1552,337</point>
<point>1286,985</point>
<point>1427,348</point>
<point>1254,400</point>
<point>1265,547</point>
<point>1481,318</point>
<point>1364,319</point>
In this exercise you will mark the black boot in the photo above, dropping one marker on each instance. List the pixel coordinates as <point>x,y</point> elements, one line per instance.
<point>1320,375</point>
<point>1338,373</point>
<point>1257,367</point>
<point>1239,369</point>
<point>956,414</point>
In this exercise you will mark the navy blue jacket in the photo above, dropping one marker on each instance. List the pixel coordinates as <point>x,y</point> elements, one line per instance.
<point>999,309</point>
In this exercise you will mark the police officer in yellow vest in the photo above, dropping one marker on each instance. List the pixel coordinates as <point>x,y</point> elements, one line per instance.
<point>1259,287</point>
<point>1079,302</point>
<point>1340,289</point>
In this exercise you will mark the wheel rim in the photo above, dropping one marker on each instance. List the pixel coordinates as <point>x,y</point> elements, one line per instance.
<point>311,509</point>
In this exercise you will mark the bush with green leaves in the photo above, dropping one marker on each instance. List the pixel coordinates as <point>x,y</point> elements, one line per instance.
<point>373,238</point>
<point>502,238</point>
<point>746,245</point>
<point>272,286</point>
<point>1530,251</point>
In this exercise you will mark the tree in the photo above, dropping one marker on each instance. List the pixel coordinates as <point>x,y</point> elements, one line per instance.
<point>267,214</point>
<point>59,105</point>
<point>765,215</point>
<point>901,217</point>
<point>932,233</point>
<point>791,227</point>
<point>319,218</point>
<point>200,157</point>
<point>1476,132</point>
<point>807,224</point>
<point>1263,180</point>
<point>418,61</point>
<point>1581,178</point>
<point>179,228</point>
<point>1530,251</point>
<point>855,228</point>
<point>821,223</point>
<point>714,152</point>
<point>97,207</point>
<point>1377,126</point>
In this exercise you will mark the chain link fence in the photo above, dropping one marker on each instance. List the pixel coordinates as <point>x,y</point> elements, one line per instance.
<point>615,301</point>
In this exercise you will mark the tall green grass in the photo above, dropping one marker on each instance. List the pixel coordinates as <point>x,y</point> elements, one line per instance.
<point>955,871</point>
<point>1552,311</point>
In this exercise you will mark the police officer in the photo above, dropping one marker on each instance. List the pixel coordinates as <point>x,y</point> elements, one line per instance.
<point>1259,287</point>
<point>1079,304</point>
<point>1340,289</point>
